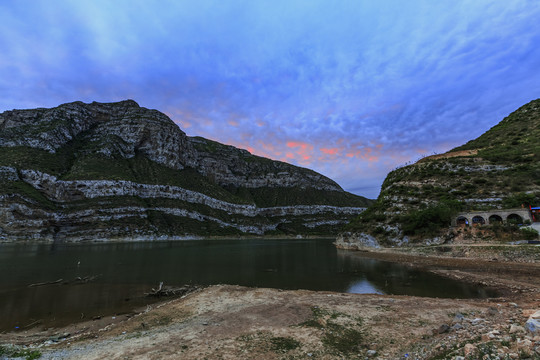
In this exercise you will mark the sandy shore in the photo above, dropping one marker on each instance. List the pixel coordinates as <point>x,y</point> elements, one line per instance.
<point>232,322</point>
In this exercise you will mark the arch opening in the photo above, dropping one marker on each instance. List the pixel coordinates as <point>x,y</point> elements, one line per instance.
<point>495,219</point>
<point>478,220</point>
<point>462,221</point>
<point>514,219</point>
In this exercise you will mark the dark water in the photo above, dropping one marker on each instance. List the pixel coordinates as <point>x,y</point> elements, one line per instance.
<point>127,270</point>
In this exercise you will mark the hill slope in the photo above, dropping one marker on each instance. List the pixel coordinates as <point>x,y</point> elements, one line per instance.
<point>500,169</point>
<point>116,170</point>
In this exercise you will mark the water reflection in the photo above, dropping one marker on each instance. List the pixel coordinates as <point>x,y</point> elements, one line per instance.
<point>126,270</point>
<point>391,278</point>
<point>363,287</point>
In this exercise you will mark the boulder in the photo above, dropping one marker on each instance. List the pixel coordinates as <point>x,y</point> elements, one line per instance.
<point>533,324</point>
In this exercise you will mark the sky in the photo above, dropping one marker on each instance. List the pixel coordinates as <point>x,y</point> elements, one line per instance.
<point>351,89</point>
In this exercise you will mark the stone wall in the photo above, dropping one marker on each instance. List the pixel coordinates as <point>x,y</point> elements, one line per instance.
<point>503,214</point>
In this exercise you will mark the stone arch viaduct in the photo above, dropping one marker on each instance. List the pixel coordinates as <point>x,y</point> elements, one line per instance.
<point>520,215</point>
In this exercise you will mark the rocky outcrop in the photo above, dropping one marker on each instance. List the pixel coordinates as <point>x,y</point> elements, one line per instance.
<point>228,166</point>
<point>65,191</point>
<point>125,129</point>
<point>356,241</point>
<point>121,128</point>
<point>419,202</point>
<point>116,170</point>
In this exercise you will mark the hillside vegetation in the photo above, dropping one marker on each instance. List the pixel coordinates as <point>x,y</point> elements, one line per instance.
<point>500,169</point>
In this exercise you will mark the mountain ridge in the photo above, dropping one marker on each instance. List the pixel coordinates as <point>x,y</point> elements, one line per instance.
<point>51,157</point>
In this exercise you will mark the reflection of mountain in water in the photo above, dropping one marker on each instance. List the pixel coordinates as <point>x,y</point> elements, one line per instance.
<point>384,277</point>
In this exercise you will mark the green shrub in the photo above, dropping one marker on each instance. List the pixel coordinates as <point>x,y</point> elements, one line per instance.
<point>429,221</point>
<point>517,200</point>
<point>529,233</point>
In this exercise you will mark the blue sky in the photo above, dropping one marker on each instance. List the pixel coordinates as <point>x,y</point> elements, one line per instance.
<point>351,89</point>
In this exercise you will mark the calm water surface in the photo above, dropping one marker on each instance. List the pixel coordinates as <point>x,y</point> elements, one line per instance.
<point>125,271</point>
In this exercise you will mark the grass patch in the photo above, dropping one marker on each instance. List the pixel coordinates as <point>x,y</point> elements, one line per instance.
<point>341,332</point>
<point>343,339</point>
<point>284,344</point>
<point>16,352</point>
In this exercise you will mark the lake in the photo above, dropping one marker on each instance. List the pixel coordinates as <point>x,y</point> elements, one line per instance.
<point>123,272</point>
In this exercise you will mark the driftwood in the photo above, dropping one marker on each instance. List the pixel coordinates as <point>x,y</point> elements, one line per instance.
<point>46,283</point>
<point>171,291</point>
<point>77,280</point>
<point>84,280</point>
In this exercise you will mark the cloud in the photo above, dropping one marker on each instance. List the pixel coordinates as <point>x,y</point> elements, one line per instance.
<point>362,85</point>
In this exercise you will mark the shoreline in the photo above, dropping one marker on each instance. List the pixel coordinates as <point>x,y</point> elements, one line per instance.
<point>239,322</point>
<point>506,277</point>
<point>165,239</point>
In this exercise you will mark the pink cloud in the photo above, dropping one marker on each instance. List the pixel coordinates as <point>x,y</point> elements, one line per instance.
<point>301,145</point>
<point>331,151</point>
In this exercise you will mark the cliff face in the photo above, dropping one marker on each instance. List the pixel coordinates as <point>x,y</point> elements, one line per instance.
<point>498,170</point>
<point>99,171</point>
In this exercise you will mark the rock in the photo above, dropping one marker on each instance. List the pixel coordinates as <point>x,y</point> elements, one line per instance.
<point>492,311</point>
<point>536,315</point>
<point>443,329</point>
<point>469,350</point>
<point>371,353</point>
<point>490,335</point>
<point>524,344</point>
<point>476,321</point>
<point>356,241</point>
<point>516,329</point>
<point>533,324</point>
<point>457,327</point>
<point>458,318</point>
<point>459,358</point>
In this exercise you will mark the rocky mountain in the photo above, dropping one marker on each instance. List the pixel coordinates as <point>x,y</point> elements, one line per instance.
<point>117,170</point>
<point>498,170</point>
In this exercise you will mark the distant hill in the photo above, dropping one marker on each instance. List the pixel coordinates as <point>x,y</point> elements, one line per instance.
<point>499,169</point>
<point>117,170</point>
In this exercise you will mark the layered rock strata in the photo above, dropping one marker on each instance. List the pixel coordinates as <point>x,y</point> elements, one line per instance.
<point>120,171</point>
